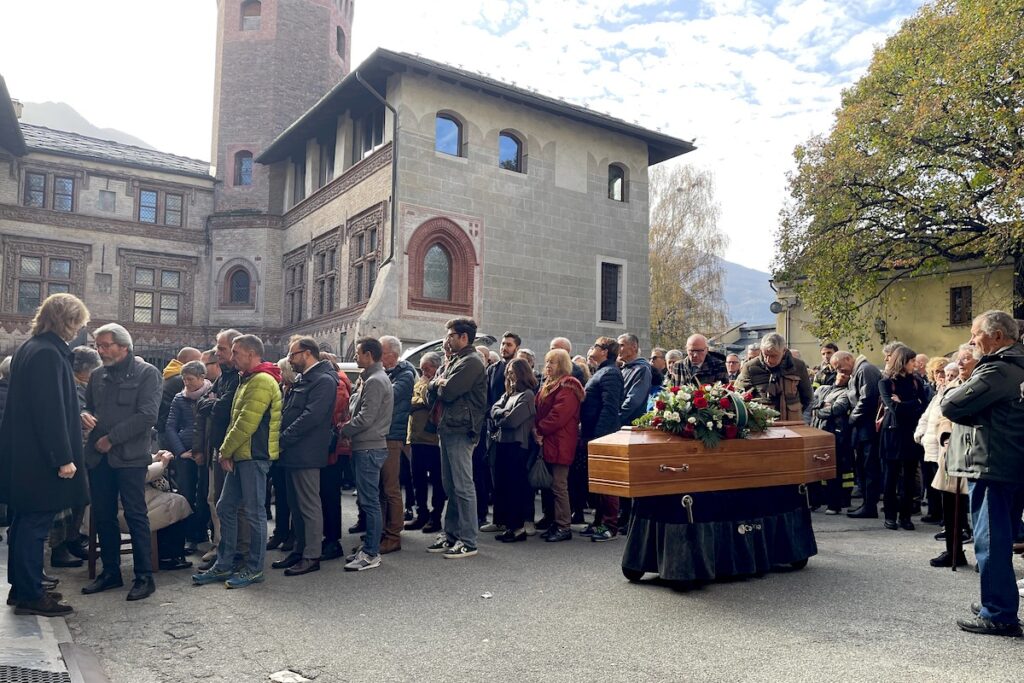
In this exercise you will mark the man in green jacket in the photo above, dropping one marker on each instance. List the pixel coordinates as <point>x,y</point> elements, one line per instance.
<point>249,446</point>
<point>989,453</point>
<point>461,390</point>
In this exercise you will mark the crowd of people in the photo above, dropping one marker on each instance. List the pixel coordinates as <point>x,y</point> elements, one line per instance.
<point>197,453</point>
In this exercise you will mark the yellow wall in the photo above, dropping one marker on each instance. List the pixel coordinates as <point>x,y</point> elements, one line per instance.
<point>915,311</point>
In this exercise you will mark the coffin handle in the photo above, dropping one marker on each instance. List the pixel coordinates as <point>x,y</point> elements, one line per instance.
<point>669,468</point>
<point>825,457</point>
<point>688,504</point>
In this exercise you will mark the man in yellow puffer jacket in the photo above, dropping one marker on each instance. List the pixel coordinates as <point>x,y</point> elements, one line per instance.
<point>250,444</point>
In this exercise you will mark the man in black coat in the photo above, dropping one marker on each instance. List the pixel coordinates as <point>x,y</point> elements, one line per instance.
<point>121,405</point>
<point>305,440</point>
<point>599,416</point>
<point>701,366</point>
<point>41,465</point>
<point>864,397</point>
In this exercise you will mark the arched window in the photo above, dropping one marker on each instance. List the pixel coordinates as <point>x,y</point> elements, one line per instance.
<point>510,152</point>
<point>341,43</point>
<point>238,292</point>
<point>243,168</point>
<point>437,274</point>
<point>251,10</point>
<point>616,183</point>
<point>448,135</point>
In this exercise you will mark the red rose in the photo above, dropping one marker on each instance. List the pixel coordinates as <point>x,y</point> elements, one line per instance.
<point>730,387</point>
<point>655,422</point>
<point>659,405</point>
<point>700,402</point>
<point>674,390</point>
<point>731,431</point>
<point>698,392</point>
<point>749,396</point>
<point>689,430</point>
<point>725,403</point>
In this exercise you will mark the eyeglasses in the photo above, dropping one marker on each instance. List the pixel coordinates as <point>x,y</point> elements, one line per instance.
<point>107,345</point>
<point>295,353</point>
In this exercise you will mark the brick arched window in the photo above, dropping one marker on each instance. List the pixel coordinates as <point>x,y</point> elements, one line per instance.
<point>243,168</point>
<point>442,263</point>
<point>251,11</point>
<point>238,289</point>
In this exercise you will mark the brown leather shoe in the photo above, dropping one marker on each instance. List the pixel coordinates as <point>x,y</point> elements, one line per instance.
<point>390,545</point>
<point>303,566</point>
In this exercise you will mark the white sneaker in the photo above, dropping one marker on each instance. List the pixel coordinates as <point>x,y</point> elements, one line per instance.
<point>492,528</point>
<point>458,551</point>
<point>362,561</point>
<point>531,528</point>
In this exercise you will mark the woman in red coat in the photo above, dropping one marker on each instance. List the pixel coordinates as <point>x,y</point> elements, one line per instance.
<point>557,430</point>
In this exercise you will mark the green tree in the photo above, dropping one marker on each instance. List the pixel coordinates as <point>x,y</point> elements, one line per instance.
<point>924,166</point>
<point>686,247</point>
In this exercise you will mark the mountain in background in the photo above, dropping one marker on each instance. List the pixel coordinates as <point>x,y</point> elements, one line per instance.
<point>747,294</point>
<point>61,116</point>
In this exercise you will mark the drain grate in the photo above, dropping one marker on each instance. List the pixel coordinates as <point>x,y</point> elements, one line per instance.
<point>19,674</point>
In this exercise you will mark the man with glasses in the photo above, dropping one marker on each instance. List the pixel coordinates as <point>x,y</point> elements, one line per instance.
<point>701,366</point>
<point>732,366</point>
<point>305,440</point>
<point>122,401</point>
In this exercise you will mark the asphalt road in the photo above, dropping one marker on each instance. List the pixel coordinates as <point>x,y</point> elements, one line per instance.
<point>868,607</point>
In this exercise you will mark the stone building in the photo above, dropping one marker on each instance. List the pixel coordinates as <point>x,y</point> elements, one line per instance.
<point>520,210</point>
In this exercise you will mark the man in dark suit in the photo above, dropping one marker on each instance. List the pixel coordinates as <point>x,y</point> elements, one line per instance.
<point>41,466</point>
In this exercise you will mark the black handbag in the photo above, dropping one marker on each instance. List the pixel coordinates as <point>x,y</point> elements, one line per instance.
<point>538,473</point>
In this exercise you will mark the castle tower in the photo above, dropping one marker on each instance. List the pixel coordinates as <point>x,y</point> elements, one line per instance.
<point>275,59</point>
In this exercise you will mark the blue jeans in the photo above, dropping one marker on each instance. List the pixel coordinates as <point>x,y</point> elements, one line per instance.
<point>460,521</point>
<point>996,508</point>
<point>245,486</point>
<point>27,536</point>
<point>366,466</point>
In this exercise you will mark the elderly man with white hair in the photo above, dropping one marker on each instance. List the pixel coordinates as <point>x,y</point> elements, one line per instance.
<point>989,452</point>
<point>402,375</point>
<point>122,402</point>
<point>778,379</point>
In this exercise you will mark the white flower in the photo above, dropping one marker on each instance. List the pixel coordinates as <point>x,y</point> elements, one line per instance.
<point>718,424</point>
<point>711,425</point>
<point>683,395</point>
<point>671,416</point>
<point>692,420</point>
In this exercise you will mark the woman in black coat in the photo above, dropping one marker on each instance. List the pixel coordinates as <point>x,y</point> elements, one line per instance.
<point>41,465</point>
<point>904,397</point>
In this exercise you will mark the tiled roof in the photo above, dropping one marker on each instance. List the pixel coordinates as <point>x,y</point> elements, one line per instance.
<point>42,139</point>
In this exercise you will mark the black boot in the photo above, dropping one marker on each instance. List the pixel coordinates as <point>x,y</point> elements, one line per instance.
<point>60,557</point>
<point>78,548</point>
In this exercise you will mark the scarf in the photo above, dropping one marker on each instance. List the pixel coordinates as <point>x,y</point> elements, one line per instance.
<point>200,392</point>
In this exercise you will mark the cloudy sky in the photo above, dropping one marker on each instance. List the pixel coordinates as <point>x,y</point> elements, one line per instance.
<point>749,79</point>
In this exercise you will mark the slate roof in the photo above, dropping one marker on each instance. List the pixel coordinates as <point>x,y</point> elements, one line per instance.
<point>382,61</point>
<point>64,143</point>
<point>10,135</point>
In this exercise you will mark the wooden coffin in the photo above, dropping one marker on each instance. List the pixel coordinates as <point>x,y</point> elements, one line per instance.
<point>647,462</point>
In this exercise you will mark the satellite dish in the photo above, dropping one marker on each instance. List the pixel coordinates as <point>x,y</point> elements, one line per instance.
<point>776,307</point>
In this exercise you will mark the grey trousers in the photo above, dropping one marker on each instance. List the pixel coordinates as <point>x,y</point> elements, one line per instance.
<point>460,522</point>
<point>303,484</point>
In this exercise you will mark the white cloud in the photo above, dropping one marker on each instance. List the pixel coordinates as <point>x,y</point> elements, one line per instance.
<point>748,79</point>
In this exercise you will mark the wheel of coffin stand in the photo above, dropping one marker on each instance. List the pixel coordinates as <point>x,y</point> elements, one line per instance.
<point>633,575</point>
<point>799,564</point>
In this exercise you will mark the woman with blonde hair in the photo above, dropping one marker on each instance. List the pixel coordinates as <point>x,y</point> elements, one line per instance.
<point>557,431</point>
<point>927,435</point>
<point>904,398</point>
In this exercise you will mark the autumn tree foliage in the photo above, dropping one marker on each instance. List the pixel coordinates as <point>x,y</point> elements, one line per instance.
<point>686,248</point>
<point>924,166</point>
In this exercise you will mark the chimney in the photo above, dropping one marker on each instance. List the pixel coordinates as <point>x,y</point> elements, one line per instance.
<point>18,106</point>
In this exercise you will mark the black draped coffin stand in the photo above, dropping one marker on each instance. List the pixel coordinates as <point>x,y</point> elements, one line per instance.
<point>704,513</point>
